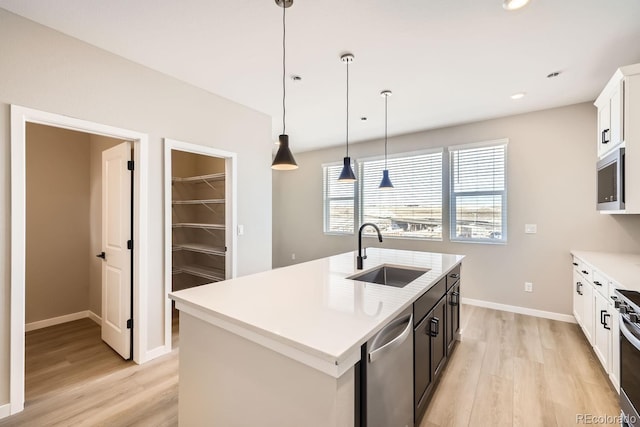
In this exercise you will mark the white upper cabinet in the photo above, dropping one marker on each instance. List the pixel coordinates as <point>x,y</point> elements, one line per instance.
<point>617,105</point>
<point>610,118</point>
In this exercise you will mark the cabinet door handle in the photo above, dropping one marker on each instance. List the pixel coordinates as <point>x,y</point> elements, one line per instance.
<point>604,323</point>
<point>605,136</point>
<point>578,286</point>
<point>454,275</point>
<point>602,312</point>
<point>455,297</point>
<point>434,327</point>
<point>575,263</point>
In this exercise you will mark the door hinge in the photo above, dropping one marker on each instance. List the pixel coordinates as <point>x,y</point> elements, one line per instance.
<point>130,165</point>
<point>225,249</point>
<point>130,324</point>
<point>129,244</point>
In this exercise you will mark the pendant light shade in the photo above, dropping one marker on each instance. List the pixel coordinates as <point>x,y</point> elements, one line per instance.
<point>386,181</point>
<point>284,158</point>
<point>347,174</point>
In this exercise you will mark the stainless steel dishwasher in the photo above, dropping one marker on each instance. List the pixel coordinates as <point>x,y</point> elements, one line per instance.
<point>388,374</point>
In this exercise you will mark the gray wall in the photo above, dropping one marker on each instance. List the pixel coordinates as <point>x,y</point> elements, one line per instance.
<point>57,235</point>
<point>551,182</point>
<point>46,70</point>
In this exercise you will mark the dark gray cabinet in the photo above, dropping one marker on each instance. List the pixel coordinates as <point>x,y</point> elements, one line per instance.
<point>453,315</point>
<point>437,322</point>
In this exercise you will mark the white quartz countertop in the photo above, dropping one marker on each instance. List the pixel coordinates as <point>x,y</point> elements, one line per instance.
<point>310,312</point>
<point>623,268</point>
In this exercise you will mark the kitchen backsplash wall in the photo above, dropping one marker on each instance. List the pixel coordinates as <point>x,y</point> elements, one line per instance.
<point>551,159</point>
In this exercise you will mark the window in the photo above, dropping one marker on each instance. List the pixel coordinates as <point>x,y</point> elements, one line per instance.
<point>478,192</point>
<point>339,203</point>
<point>413,208</point>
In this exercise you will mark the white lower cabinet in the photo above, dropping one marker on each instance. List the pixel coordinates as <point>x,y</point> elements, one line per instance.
<point>597,316</point>
<point>602,330</point>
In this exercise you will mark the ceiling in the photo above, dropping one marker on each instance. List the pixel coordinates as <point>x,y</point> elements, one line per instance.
<point>446,62</point>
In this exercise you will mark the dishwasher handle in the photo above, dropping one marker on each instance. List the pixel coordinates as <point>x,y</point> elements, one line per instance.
<point>376,353</point>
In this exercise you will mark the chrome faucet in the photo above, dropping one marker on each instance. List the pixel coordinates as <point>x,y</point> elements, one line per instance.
<point>360,257</point>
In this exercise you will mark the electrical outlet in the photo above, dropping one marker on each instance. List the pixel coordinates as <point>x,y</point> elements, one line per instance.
<point>293,256</point>
<point>528,287</point>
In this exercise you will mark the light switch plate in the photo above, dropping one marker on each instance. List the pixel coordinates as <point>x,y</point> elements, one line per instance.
<point>240,230</point>
<point>530,228</point>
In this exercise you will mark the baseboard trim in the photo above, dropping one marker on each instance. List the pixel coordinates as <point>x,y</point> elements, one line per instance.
<point>156,352</point>
<point>520,310</point>
<point>61,319</point>
<point>91,315</point>
<point>5,410</point>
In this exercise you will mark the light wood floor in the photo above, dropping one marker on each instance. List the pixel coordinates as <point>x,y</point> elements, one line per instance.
<point>516,370</point>
<point>509,370</point>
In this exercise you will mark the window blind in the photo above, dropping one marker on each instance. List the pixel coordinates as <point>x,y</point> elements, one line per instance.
<point>413,208</point>
<point>478,193</point>
<point>339,212</point>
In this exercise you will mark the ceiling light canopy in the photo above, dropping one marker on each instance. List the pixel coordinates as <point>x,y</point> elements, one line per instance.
<point>514,4</point>
<point>347,174</point>
<point>284,157</point>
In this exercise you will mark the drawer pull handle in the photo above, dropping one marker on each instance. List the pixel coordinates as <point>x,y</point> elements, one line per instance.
<point>595,282</point>
<point>575,263</point>
<point>454,276</point>
<point>585,272</point>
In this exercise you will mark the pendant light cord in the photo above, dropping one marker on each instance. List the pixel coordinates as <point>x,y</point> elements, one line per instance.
<point>385,131</point>
<point>347,108</point>
<point>284,54</point>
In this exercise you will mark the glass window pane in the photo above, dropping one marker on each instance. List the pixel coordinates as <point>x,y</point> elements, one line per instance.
<point>413,208</point>
<point>479,217</point>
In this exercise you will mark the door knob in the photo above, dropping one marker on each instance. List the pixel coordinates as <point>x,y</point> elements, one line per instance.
<point>102,255</point>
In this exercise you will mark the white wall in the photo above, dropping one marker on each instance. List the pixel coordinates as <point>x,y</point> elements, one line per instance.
<point>551,182</point>
<point>46,70</point>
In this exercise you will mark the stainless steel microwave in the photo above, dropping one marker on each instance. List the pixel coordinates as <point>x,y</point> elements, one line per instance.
<point>611,181</point>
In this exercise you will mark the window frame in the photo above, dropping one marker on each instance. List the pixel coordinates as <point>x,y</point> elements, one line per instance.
<point>454,195</point>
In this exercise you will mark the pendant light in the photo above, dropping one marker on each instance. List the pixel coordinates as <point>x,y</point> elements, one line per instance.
<point>347,174</point>
<point>284,158</point>
<point>386,182</point>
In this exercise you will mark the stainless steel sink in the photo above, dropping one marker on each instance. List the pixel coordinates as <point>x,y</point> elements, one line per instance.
<point>390,275</point>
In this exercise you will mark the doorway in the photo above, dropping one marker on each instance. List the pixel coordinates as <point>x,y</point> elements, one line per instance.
<point>200,219</point>
<point>20,117</point>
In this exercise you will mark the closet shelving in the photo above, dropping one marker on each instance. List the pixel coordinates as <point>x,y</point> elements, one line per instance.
<point>198,205</point>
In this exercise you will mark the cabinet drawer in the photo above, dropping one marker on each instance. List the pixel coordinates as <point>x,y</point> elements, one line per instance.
<point>453,276</point>
<point>426,302</point>
<point>586,271</point>
<point>600,282</point>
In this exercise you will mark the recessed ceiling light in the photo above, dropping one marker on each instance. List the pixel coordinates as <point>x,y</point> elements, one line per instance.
<point>518,95</point>
<point>514,4</point>
<point>554,74</point>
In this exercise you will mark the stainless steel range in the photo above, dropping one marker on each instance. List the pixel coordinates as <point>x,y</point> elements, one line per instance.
<point>628,304</point>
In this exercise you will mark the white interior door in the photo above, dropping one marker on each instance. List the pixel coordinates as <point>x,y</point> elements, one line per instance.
<point>116,233</point>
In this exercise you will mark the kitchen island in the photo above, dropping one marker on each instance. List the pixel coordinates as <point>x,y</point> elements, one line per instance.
<point>278,348</point>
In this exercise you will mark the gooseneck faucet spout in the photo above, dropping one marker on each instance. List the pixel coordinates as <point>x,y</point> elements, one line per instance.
<point>360,257</point>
